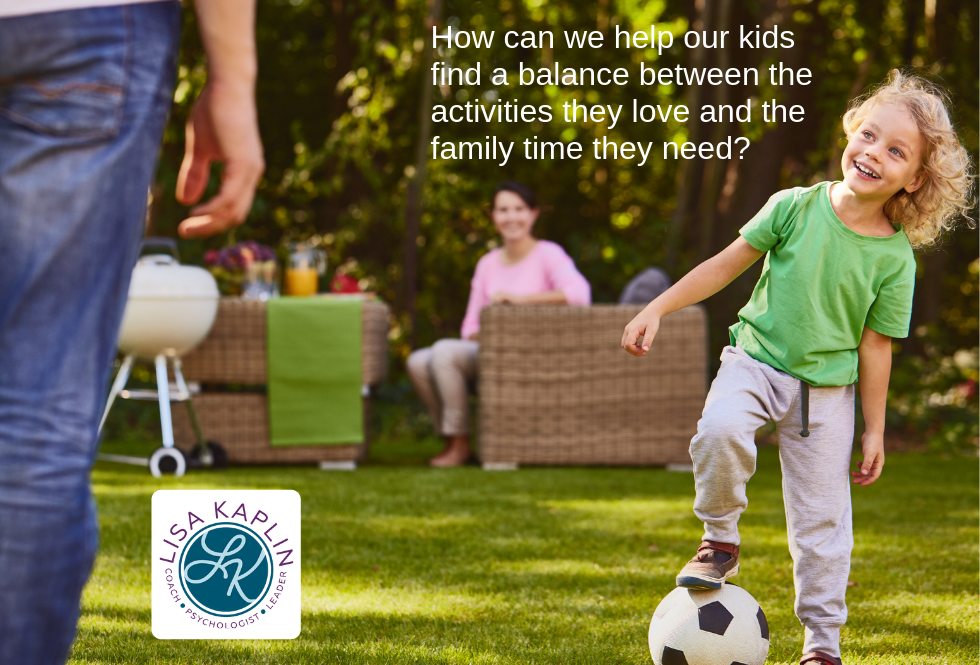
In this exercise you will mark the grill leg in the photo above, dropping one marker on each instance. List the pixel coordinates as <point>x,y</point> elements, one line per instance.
<point>163,392</point>
<point>203,451</point>
<point>122,376</point>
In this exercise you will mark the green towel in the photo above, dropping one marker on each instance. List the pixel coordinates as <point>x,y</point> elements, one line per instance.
<point>314,357</point>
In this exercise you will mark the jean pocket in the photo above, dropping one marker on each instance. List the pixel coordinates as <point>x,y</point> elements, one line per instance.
<point>78,88</point>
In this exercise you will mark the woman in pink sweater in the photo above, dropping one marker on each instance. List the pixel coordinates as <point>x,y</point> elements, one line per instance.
<point>525,271</point>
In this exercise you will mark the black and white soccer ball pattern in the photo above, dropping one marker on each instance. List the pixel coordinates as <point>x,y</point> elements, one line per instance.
<point>723,627</point>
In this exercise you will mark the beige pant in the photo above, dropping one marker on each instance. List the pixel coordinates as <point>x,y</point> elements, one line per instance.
<point>442,375</point>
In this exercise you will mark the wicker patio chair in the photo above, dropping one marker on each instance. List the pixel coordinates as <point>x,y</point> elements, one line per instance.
<point>556,388</point>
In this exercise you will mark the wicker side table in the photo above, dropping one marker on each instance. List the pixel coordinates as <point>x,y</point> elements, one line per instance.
<point>235,353</point>
<point>557,388</point>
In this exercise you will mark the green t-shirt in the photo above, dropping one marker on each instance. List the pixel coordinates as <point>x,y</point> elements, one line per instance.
<point>821,284</point>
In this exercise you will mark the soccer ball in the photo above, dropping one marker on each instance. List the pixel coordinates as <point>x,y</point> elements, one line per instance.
<point>722,627</point>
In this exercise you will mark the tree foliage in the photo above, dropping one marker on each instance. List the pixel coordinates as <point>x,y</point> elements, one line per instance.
<point>338,96</point>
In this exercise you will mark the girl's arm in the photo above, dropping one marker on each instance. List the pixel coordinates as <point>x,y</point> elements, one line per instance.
<point>705,280</point>
<point>874,368</point>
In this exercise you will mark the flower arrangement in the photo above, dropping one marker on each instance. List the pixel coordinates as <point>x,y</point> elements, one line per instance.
<point>246,268</point>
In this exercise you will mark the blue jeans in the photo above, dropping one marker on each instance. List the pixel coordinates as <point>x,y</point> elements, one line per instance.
<point>84,96</point>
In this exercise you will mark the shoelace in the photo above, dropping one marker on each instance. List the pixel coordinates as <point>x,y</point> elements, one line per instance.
<point>706,553</point>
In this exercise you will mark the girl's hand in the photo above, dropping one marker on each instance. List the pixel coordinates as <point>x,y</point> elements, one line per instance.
<point>643,328</point>
<point>873,446</point>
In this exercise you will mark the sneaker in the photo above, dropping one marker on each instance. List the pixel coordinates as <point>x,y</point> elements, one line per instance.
<point>713,564</point>
<point>819,658</point>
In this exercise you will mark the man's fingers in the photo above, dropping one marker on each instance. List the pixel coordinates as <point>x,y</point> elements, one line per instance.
<point>216,216</point>
<point>222,202</point>
<point>228,208</point>
<point>204,226</point>
<point>195,168</point>
<point>195,171</point>
<point>237,189</point>
<point>218,220</point>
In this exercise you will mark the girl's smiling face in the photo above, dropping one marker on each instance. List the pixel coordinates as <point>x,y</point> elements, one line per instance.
<point>512,216</point>
<point>885,154</point>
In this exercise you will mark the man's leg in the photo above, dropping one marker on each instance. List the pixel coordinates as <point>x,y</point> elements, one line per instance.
<point>83,100</point>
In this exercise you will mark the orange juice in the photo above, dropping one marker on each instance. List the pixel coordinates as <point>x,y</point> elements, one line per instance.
<point>301,281</point>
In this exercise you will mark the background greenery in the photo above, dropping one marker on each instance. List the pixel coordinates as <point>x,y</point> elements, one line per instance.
<point>338,95</point>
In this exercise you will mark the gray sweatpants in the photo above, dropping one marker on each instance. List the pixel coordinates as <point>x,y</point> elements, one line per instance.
<point>816,490</point>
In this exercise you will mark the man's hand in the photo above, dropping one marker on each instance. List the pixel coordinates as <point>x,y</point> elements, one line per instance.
<point>222,127</point>
<point>639,333</point>
<point>873,447</point>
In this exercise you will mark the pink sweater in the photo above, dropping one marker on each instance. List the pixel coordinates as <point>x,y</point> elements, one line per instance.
<point>546,268</point>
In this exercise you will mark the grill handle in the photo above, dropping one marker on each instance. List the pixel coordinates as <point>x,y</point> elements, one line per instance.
<point>160,242</point>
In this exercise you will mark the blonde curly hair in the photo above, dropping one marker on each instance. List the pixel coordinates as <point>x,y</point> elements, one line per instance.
<point>946,196</point>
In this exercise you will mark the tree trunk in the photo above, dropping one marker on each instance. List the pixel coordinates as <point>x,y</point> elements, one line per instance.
<point>689,171</point>
<point>413,202</point>
<point>911,12</point>
<point>716,168</point>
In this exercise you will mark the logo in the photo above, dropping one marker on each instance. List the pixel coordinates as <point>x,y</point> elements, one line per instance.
<point>226,564</point>
<point>241,557</point>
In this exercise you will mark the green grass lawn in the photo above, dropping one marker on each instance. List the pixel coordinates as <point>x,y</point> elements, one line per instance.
<point>403,564</point>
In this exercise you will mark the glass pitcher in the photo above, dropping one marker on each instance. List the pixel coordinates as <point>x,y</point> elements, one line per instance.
<point>306,265</point>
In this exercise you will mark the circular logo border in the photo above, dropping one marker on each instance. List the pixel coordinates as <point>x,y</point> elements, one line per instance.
<point>200,534</point>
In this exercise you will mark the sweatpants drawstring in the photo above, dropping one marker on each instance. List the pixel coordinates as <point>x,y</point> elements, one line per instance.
<point>805,405</point>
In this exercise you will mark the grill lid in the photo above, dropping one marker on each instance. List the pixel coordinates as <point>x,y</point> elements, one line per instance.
<point>159,276</point>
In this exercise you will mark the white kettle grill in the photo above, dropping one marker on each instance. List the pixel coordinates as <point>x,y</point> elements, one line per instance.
<point>170,310</point>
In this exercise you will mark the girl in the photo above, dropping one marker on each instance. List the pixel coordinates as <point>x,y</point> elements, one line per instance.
<point>525,271</point>
<point>836,287</point>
